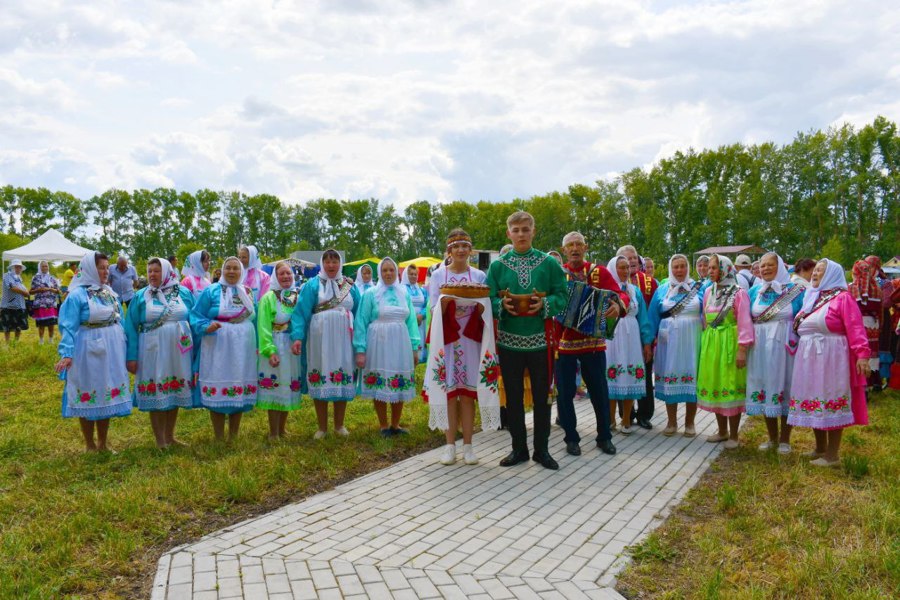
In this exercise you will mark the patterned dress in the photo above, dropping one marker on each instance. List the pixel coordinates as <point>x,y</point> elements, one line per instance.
<point>721,385</point>
<point>281,387</point>
<point>678,343</point>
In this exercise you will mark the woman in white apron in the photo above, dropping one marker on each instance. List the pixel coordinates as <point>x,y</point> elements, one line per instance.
<point>386,338</point>
<point>223,319</point>
<point>629,350</point>
<point>419,298</point>
<point>160,350</point>
<point>674,316</point>
<point>322,327</point>
<point>774,302</point>
<point>92,352</point>
<point>196,272</point>
<point>280,378</point>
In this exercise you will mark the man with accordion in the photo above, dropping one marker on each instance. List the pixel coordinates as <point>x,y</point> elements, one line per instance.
<point>594,304</point>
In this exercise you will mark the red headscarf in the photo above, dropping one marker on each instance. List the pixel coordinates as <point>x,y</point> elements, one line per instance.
<point>864,285</point>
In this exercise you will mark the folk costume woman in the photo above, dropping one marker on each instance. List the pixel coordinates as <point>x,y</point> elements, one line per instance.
<point>46,292</point>
<point>774,302</point>
<point>322,327</point>
<point>629,350</point>
<point>256,279</point>
<point>223,319</point>
<point>386,341</point>
<point>419,297</point>
<point>280,376</point>
<point>196,272</point>
<point>161,350</point>
<point>828,386</point>
<point>363,280</point>
<point>867,293</point>
<point>92,352</point>
<point>461,351</point>
<point>674,316</point>
<point>727,335</point>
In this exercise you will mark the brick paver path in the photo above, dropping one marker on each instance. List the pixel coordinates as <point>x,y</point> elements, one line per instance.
<point>418,529</point>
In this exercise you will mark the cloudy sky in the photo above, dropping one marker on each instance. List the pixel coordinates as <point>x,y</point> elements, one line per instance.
<point>419,99</point>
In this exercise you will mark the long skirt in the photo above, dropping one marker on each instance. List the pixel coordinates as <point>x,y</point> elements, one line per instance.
<point>721,385</point>
<point>388,375</point>
<point>228,368</point>
<point>625,370</point>
<point>329,354</point>
<point>165,374</point>
<point>280,387</point>
<point>675,362</point>
<point>97,381</point>
<point>769,369</point>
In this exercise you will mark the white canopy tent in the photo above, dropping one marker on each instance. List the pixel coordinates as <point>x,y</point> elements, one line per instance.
<point>52,245</point>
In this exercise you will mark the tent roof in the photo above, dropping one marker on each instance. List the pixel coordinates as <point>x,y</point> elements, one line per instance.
<point>745,249</point>
<point>421,261</point>
<point>52,245</point>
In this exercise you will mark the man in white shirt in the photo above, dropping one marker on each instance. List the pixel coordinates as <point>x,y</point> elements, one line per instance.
<point>745,277</point>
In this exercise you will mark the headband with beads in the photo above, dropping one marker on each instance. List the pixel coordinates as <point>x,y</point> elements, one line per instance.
<point>461,238</point>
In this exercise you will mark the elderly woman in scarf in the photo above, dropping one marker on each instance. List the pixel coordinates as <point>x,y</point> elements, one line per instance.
<point>865,290</point>
<point>674,316</point>
<point>92,352</point>
<point>280,376</point>
<point>223,320</point>
<point>196,272</point>
<point>629,350</point>
<point>256,279</point>
<point>727,336</point>
<point>160,350</point>
<point>386,338</point>
<point>828,385</point>
<point>419,297</point>
<point>46,292</point>
<point>774,302</point>
<point>322,324</point>
<point>363,281</point>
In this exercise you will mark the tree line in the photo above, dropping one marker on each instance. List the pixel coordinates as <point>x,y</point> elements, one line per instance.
<point>832,193</point>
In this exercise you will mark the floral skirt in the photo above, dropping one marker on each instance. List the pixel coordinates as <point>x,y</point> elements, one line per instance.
<point>388,375</point>
<point>13,319</point>
<point>97,382</point>
<point>625,370</point>
<point>675,361</point>
<point>280,387</point>
<point>721,385</point>
<point>329,353</point>
<point>228,368</point>
<point>165,376</point>
<point>820,386</point>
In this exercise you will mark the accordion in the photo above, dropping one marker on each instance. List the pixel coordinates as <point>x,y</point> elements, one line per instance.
<point>585,310</point>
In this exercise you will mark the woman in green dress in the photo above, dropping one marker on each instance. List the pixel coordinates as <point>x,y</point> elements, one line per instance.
<point>727,334</point>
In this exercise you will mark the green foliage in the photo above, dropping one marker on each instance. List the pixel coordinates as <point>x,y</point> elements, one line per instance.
<point>833,193</point>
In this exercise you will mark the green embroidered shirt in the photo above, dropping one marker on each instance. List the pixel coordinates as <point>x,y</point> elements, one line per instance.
<point>522,274</point>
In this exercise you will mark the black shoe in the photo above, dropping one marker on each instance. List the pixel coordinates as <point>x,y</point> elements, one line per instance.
<point>644,424</point>
<point>514,458</point>
<point>545,460</point>
<point>606,446</point>
<point>573,449</point>
<point>386,433</point>
<point>399,431</point>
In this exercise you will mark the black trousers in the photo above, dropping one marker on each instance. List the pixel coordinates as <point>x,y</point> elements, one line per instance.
<point>647,403</point>
<point>513,365</point>
<point>593,372</point>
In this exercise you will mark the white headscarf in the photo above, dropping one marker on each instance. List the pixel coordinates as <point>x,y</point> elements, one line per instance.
<point>677,287</point>
<point>276,285</point>
<point>358,281</point>
<point>87,274</point>
<point>42,279</point>
<point>782,277</point>
<point>611,266</point>
<point>254,262</point>
<point>169,280</point>
<point>833,278</point>
<point>239,288</point>
<point>328,286</point>
<point>727,274</point>
<point>381,288</point>
<point>193,266</point>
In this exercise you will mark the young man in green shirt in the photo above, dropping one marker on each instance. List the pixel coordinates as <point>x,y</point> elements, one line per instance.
<point>523,337</point>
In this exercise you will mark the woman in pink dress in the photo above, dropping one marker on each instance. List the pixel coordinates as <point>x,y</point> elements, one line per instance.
<point>828,387</point>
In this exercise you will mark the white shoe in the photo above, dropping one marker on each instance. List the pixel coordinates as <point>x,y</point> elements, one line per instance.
<point>784,448</point>
<point>342,432</point>
<point>625,430</point>
<point>765,446</point>
<point>448,456</point>
<point>731,444</point>
<point>319,435</point>
<point>469,456</point>
<point>823,462</point>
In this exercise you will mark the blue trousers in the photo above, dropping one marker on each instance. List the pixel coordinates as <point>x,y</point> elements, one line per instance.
<point>593,373</point>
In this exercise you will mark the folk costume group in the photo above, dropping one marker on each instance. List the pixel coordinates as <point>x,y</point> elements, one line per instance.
<point>798,355</point>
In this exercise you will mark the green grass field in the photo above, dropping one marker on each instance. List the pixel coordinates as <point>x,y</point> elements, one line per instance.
<point>764,526</point>
<point>94,525</point>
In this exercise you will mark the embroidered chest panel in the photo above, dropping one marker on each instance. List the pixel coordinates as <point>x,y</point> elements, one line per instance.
<point>523,266</point>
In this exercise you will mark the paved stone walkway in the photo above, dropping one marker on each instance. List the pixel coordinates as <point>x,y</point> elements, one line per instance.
<point>418,529</point>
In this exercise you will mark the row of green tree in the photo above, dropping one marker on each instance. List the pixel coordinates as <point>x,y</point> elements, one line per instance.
<point>832,192</point>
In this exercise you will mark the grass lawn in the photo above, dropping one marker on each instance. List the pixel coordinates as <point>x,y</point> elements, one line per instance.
<point>94,525</point>
<point>763,526</point>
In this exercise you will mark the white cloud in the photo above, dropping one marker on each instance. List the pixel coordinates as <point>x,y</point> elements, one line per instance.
<point>420,99</point>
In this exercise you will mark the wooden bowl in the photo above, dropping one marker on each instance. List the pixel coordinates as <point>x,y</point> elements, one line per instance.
<point>521,302</point>
<point>466,291</point>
